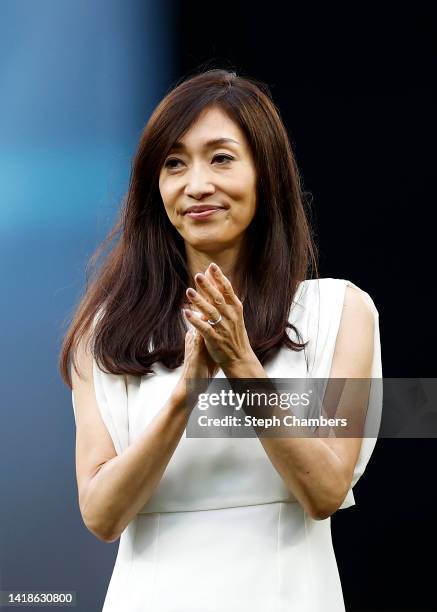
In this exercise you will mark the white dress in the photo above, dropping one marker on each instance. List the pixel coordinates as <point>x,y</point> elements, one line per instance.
<point>222,532</point>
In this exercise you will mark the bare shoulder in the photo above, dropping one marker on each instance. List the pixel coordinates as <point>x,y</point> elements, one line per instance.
<point>354,344</point>
<point>355,301</point>
<point>83,361</point>
<point>94,445</point>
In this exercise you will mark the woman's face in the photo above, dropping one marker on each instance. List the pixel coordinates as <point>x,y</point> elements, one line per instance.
<point>197,172</point>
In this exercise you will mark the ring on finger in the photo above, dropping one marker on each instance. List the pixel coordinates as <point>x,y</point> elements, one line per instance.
<point>215,322</point>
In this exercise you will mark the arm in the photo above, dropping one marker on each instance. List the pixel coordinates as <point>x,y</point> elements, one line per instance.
<point>319,471</point>
<point>113,488</point>
<point>125,483</point>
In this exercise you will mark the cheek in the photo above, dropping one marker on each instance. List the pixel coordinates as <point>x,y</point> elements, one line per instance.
<point>243,185</point>
<point>246,196</point>
<point>167,196</point>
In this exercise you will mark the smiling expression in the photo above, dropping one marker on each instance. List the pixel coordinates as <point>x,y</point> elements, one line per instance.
<point>211,165</point>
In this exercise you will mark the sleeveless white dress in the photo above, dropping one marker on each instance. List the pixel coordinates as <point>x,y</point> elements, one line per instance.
<point>222,532</point>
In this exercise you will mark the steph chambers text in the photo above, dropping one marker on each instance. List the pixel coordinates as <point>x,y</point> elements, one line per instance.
<point>266,423</point>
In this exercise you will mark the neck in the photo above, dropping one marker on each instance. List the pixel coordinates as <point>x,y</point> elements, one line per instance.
<point>198,261</point>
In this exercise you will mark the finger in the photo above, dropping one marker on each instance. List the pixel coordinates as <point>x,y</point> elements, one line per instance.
<point>198,338</point>
<point>202,327</point>
<point>224,284</point>
<point>211,292</point>
<point>210,276</point>
<point>189,338</point>
<point>205,307</point>
<point>202,289</point>
<point>193,339</point>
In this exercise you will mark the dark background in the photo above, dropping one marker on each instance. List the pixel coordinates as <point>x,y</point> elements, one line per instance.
<point>353,86</point>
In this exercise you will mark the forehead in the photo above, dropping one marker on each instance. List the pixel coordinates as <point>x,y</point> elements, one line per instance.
<point>213,127</point>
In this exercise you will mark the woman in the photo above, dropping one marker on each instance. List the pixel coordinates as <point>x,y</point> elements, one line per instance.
<point>214,523</point>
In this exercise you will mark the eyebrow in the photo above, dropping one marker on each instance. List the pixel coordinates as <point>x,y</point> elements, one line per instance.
<point>179,146</point>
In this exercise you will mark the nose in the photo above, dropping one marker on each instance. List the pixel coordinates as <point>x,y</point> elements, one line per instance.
<point>198,183</point>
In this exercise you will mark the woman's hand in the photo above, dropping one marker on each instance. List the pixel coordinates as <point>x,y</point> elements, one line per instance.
<point>227,342</point>
<point>197,363</point>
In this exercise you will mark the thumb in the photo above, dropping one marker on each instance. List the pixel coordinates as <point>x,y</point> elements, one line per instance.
<point>192,336</point>
<point>189,337</point>
<point>193,333</point>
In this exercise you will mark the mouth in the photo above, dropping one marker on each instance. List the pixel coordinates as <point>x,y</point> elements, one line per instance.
<point>203,214</point>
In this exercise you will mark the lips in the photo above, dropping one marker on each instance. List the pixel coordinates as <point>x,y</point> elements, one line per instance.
<point>202,208</point>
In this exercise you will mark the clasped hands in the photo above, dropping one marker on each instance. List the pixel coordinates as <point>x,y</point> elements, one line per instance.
<point>227,342</point>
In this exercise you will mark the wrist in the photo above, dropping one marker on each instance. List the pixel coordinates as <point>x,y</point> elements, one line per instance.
<point>246,367</point>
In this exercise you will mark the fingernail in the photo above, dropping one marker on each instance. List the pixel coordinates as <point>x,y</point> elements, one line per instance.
<point>213,267</point>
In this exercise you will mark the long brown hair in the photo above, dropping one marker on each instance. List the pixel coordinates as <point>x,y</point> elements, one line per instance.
<point>140,287</point>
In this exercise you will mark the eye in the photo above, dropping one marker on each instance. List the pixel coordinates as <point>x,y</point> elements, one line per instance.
<point>169,163</point>
<point>225,157</point>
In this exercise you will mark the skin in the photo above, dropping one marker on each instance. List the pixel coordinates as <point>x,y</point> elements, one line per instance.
<point>318,471</point>
<point>199,175</point>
